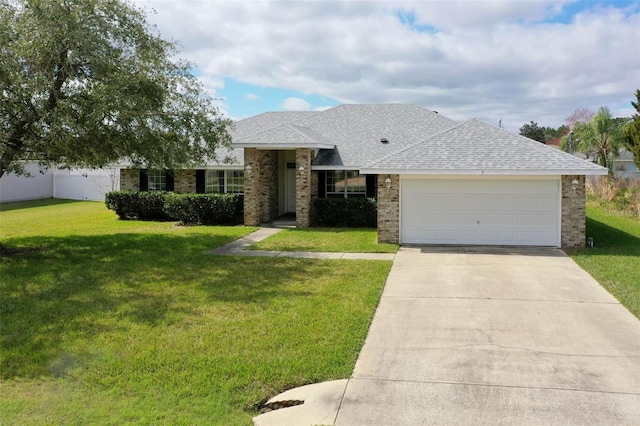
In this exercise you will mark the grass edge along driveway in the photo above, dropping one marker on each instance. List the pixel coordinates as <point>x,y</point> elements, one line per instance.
<point>614,261</point>
<point>110,322</point>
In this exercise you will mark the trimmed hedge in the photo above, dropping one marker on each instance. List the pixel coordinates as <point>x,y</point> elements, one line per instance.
<point>190,209</point>
<point>137,205</point>
<point>205,209</point>
<point>347,212</point>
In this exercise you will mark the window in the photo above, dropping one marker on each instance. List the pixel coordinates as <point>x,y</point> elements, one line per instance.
<point>157,180</point>
<point>214,181</point>
<point>224,181</point>
<point>235,181</point>
<point>345,183</point>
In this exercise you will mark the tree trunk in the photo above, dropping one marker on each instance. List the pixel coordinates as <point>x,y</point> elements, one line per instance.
<point>14,148</point>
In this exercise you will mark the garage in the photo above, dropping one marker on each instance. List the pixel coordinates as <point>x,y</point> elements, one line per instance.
<point>480,211</point>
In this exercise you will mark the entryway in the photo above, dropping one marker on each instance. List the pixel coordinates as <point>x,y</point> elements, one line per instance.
<point>290,188</point>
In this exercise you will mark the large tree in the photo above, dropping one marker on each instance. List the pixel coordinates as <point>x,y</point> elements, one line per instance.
<point>533,131</point>
<point>85,83</point>
<point>600,137</point>
<point>631,134</point>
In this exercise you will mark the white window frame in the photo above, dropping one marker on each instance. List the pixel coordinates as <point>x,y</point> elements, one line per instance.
<point>344,192</point>
<point>156,180</point>
<point>230,183</point>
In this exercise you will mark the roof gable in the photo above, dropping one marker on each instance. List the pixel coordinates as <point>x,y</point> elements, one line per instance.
<point>354,130</point>
<point>474,147</point>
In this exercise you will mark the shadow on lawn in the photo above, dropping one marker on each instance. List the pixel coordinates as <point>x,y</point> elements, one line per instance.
<point>80,287</point>
<point>612,239</point>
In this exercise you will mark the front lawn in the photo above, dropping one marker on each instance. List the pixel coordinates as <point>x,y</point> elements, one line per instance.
<point>126,322</point>
<point>348,240</point>
<point>615,259</point>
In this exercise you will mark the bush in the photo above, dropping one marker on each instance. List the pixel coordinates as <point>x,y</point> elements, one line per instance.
<point>124,203</point>
<point>205,209</point>
<point>190,209</point>
<point>137,205</point>
<point>346,212</point>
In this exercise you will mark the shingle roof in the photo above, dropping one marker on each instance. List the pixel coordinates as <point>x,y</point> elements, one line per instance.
<point>287,135</point>
<point>474,147</point>
<point>355,130</point>
<point>419,141</point>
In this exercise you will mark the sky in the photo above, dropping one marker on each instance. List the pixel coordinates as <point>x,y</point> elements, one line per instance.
<point>508,62</point>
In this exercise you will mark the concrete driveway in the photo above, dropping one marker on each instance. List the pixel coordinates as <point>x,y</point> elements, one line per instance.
<point>495,336</point>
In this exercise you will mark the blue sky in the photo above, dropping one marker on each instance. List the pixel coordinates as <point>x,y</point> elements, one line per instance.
<point>244,99</point>
<point>514,61</point>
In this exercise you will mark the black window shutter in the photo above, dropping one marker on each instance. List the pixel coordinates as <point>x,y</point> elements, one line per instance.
<point>200,185</point>
<point>322,184</point>
<point>170,184</point>
<point>371,186</point>
<point>144,180</point>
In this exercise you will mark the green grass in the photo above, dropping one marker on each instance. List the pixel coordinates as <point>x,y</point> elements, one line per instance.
<point>615,259</point>
<point>124,322</point>
<point>346,240</point>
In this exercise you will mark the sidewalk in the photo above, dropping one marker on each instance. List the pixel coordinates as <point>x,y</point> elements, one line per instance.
<point>240,248</point>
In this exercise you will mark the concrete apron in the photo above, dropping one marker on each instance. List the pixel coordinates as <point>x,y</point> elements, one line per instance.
<point>485,336</point>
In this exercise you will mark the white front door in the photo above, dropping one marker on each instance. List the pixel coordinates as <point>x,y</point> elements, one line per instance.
<point>290,188</point>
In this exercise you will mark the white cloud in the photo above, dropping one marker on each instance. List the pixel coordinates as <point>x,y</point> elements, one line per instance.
<point>252,97</point>
<point>296,104</point>
<point>487,59</point>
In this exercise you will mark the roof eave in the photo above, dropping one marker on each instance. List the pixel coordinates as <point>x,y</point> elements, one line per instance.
<point>282,145</point>
<point>485,172</point>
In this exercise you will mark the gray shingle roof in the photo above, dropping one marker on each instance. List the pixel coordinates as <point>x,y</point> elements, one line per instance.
<point>355,130</point>
<point>475,147</point>
<point>287,135</point>
<point>419,141</point>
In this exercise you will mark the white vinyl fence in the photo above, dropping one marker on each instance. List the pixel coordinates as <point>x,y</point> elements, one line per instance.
<point>74,185</point>
<point>82,187</point>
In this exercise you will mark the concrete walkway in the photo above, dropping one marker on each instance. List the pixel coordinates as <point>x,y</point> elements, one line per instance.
<point>485,336</point>
<point>240,248</point>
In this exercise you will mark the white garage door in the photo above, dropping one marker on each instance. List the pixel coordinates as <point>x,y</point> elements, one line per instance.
<point>479,211</point>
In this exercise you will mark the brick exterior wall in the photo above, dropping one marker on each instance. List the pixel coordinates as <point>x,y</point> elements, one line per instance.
<point>260,187</point>
<point>304,185</point>
<point>130,180</point>
<point>389,210</point>
<point>573,221</point>
<point>184,181</point>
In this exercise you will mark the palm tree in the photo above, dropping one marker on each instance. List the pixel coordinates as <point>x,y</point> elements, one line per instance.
<point>600,137</point>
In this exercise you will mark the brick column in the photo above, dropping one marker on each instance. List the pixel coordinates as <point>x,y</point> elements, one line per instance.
<point>303,187</point>
<point>260,186</point>
<point>389,210</point>
<point>130,180</point>
<point>573,222</point>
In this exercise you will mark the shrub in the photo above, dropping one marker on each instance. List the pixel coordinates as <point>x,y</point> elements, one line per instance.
<point>137,205</point>
<point>205,209</point>
<point>347,212</point>
<point>124,203</point>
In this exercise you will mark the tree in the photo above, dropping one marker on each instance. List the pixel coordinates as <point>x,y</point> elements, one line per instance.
<point>600,137</point>
<point>85,83</point>
<point>552,136</point>
<point>582,115</point>
<point>631,133</point>
<point>532,131</point>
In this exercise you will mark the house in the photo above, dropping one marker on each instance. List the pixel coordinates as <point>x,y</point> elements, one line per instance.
<point>624,167</point>
<point>437,181</point>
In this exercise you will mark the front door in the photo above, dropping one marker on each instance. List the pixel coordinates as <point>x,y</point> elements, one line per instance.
<point>290,188</point>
